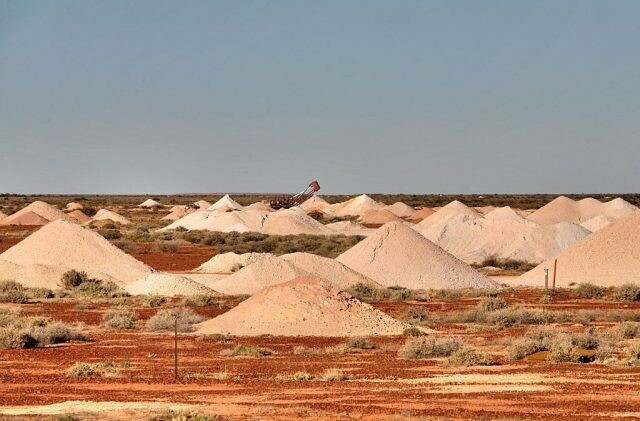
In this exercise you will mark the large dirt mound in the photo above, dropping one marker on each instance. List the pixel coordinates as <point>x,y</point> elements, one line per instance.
<point>563,209</point>
<point>36,211</point>
<point>292,222</point>
<point>105,214</point>
<point>397,255</point>
<point>608,257</point>
<point>32,275</point>
<point>66,245</point>
<point>504,235</point>
<point>253,278</point>
<point>167,285</point>
<point>316,204</point>
<point>330,270</point>
<point>401,209</point>
<point>224,204</point>
<point>303,307</point>
<point>150,203</point>
<point>2,215</point>
<point>503,213</point>
<point>230,262</point>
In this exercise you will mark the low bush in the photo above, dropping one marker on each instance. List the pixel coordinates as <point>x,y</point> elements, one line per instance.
<point>585,341</point>
<point>152,301</point>
<point>110,234</point>
<point>247,351</point>
<point>200,300</point>
<point>215,337</point>
<point>172,415</point>
<point>587,290</point>
<point>627,292</point>
<point>55,333</point>
<point>413,332</point>
<point>102,369</point>
<point>563,352</point>
<point>492,304</point>
<point>13,338</point>
<point>507,264</point>
<point>298,376</point>
<point>118,319</point>
<point>165,320</point>
<point>360,343</point>
<point>82,370</point>
<point>73,278</point>
<point>419,348</point>
<point>80,284</point>
<point>626,330</point>
<point>334,375</point>
<point>633,352</point>
<point>41,293</point>
<point>415,315</point>
<point>13,292</point>
<point>468,356</point>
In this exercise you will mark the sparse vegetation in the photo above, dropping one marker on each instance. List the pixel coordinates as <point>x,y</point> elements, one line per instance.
<point>165,320</point>
<point>298,376</point>
<point>627,292</point>
<point>103,369</point>
<point>18,332</point>
<point>247,351</point>
<point>492,304</point>
<point>12,292</point>
<point>419,348</point>
<point>413,332</point>
<point>587,290</point>
<point>467,357</point>
<point>79,284</point>
<point>415,316</point>
<point>200,300</point>
<point>507,264</point>
<point>153,301</point>
<point>119,319</point>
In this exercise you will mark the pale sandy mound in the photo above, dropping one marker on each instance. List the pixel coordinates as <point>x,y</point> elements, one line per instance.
<point>224,204</point>
<point>420,215</point>
<point>397,255</point>
<point>378,217</point>
<point>401,209</point>
<point>484,210</point>
<point>330,270</point>
<point>30,214</point>
<point>230,262</point>
<point>202,204</point>
<point>316,204</point>
<point>167,285</point>
<point>356,206</point>
<point>25,218</point>
<point>452,209</point>
<point>502,213</point>
<point>259,206</point>
<point>349,228</point>
<point>62,244</point>
<point>473,239</point>
<point>563,209</point>
<point>597,223</point>
<point>105,214</point>
<point>150,203</point>
<point>178,213</point>
<point>303,307</point>
<point>32,275</point>
<point>71,206</point>
<point>608,257</point>
<point>258,275</point>
<point>2,215</point>
<point>79,216</point>
<point>291,222</point>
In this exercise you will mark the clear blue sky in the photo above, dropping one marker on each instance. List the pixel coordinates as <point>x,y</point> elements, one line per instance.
<point>365,96</point>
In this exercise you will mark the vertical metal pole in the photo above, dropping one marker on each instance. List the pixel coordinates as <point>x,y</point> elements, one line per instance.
<point>555,270</point>
<point>546,279</point>
<point>175,348</point>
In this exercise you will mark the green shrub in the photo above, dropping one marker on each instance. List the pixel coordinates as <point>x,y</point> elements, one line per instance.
<point>55,333</point>
<point>492,304</point>
<point>118,319</point>
<point>413,332</point>
<point>563,352</point>
<point>627,292</point>
<point>587,290</point>
<point>200,300</point>
<point>467,357</point>
<point>633,352</point>
<point>414,315</point>
<point>153,301</point>
<point>73,278</point>
<point>82,370</point>
<point>13,338</point>
<point>247,351</point>
<point>96,288</point>
<point>585,341</point>
<point>41,293</point>
<point>360,343</point>
<point>110,234</point>
<point>419,348</point>
<point>165,320</point>
<point>13,292</point>
<point>536,340</point>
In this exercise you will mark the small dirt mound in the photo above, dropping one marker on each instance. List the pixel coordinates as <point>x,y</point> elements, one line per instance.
<point>356,206</point>
<point>377,218</point>
<point>71,206</point>
<point>167,285</point>
<point>37,213</point>
<point>150,203</point>
<point>79,216</point>
<point>330,270</point>
<point>303,307</point>
<point>401,209</point>
<point>230,262</point>
<point>420,215</point>
<point>224,204</point>
<point>105,214</point>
